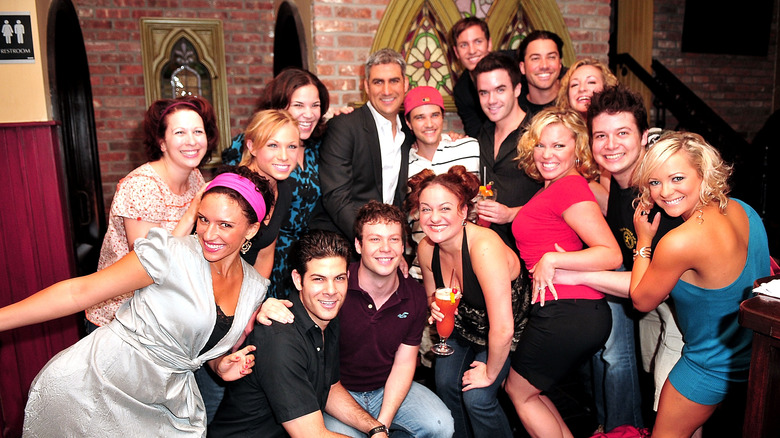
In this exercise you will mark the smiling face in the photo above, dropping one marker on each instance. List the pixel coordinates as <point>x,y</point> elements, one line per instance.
<point>471,46</point>
<point>386,86</point>
<point>322,288</point>
<point>440,217</point>
<point>675,186</point>
<point>555,153</point>
<point>222,226</point>
<point>381,249</point>
<point>278,156</point>
<point>583,83</point>
<point>617,144</point>
<point>305,108</point>
<point>427,122</point>
<point>497,97</point>
<point>542,64</point>
<point>185,141</point>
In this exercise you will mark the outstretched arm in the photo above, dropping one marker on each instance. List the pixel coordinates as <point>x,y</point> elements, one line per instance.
<point>76,294</point>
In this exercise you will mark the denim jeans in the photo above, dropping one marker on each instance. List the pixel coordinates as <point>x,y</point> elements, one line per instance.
<point>477,412</point>
<point>615,374</point>
<point>421,414</point>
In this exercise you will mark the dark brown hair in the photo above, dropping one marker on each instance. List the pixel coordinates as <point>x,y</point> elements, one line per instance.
<point>499,61</point>
<point>464,23</point>
<point>156,122</point>
<point>315,245</point>
<point>278,92</point>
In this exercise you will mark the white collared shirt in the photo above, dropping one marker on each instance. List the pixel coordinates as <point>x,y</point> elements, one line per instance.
<point>390,152</point>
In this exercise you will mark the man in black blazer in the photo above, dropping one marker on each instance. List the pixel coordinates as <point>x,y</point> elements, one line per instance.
<point>365,154</point>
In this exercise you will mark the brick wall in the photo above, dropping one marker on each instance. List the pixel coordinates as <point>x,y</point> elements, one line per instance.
<point>111,33</point>
<point>738,88</point>
<point>342,30</point>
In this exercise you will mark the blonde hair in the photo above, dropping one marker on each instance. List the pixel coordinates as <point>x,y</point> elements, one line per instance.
<point>709,165</point>
<point>573,122</point>
<point>261,127</point>
<point>562,101</point>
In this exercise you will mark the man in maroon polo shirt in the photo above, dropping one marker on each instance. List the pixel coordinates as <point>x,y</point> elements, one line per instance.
<point>382,321</point>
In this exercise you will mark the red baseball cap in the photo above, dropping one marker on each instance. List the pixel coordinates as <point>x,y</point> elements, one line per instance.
<point>423,95</point>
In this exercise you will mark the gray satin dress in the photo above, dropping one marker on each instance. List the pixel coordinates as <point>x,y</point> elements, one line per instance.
<point>134,377</point>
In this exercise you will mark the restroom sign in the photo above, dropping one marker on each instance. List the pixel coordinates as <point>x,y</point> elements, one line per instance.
<point>16,38</point>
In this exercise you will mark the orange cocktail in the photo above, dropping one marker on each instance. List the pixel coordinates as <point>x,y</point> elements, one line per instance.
<point>447,299</point>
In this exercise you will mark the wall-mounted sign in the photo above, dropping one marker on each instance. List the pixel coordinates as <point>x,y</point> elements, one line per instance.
<point>16,38</point>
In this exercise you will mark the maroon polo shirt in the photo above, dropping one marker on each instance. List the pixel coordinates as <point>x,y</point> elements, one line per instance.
<point>369,339</point>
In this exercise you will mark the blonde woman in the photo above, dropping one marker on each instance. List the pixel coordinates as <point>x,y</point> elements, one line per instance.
<point>707,265</point>
<point>569,323</point>
<point>584,78</point>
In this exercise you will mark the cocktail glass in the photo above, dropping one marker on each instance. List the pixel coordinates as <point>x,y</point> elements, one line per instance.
<point>447,299</point>
<point>485,192</point>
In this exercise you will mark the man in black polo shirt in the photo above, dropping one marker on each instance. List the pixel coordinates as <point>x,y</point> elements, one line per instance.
<point>296,372</point>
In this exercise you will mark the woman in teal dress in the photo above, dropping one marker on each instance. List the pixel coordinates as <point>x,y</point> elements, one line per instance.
<point>303,95</point>
<point>707,265</point>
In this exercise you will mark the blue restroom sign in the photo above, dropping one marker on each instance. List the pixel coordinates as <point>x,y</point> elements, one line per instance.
<point>16,38</point>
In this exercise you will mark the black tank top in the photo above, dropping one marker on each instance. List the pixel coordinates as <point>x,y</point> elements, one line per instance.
<point>472,291</point>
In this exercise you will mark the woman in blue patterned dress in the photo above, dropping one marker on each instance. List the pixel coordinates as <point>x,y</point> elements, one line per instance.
<point>306,98</point>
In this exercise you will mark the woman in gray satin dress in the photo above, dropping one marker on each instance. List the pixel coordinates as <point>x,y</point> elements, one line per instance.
<point>194,297</point>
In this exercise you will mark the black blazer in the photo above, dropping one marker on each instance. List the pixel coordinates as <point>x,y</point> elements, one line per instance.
<point>351,169</point>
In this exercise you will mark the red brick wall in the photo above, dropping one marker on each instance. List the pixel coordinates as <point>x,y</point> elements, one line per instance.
<point>111,33</point>
<point>738,88</point>
<point>342,30</point>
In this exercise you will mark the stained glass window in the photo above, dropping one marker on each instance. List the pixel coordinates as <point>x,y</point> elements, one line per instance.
<point>425,50</point>
<point>184,74</point>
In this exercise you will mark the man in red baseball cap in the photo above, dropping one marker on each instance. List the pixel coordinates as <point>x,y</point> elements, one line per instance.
<point>424,111</point>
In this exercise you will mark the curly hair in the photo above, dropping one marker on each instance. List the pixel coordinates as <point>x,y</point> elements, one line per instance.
<point>462,183</point>
<point>278,93</point>
<point>263,125</point>
<point>709,165</point>
<point>260,182</point>
<point>375,212</point>
<point>609,80</point>
<point>156,122</point>
<point>573,122</point>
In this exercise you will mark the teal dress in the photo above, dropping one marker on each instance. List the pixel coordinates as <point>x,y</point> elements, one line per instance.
<point>717,349</point>
<point>306,201</point>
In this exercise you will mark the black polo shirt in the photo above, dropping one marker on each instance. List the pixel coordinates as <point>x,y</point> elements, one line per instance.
<point>294,370</point>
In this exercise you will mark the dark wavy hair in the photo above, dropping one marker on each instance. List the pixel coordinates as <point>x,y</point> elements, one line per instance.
<point>260,182</point>
<point>462,183</point>
<point>278,92</point>
<point>375,212</point>
<point>318,244</point>
<point>156,122</point>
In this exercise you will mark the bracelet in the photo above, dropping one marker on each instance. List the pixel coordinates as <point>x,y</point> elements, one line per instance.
<point>645,252</point>
<point>376,430</point>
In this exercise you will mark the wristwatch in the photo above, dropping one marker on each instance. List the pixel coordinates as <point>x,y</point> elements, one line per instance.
<point>376,430</point>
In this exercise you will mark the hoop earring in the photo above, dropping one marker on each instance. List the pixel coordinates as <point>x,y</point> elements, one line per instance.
<point>245,247</point>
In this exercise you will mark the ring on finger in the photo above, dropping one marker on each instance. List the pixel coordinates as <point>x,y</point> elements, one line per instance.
<point>644,213</point>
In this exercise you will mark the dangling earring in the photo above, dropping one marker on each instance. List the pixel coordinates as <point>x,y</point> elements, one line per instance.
<point>463,224</point>
<point>245,247</point>
<point>576,161</point>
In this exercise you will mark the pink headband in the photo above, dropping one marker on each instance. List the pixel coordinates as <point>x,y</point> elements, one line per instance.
<point>244,187</point>
<point>174,104</point>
